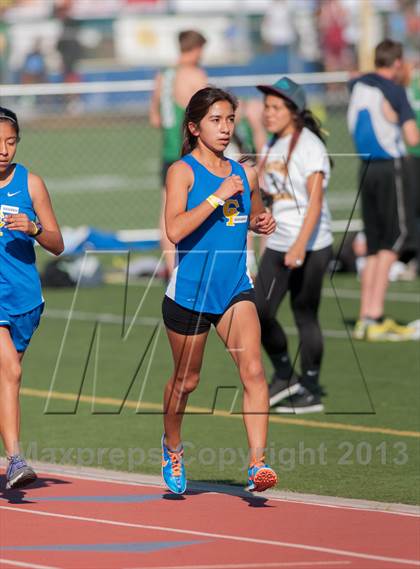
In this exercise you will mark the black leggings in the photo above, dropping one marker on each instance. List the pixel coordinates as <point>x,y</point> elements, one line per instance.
<point>273,281</point>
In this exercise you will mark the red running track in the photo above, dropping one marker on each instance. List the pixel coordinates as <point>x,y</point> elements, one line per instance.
<point>66,521</point>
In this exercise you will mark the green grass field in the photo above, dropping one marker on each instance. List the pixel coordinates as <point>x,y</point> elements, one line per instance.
<point>366,445</point>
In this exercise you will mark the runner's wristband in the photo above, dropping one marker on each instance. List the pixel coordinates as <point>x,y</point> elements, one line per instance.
<point>38,229</point>
<point>214,201</point>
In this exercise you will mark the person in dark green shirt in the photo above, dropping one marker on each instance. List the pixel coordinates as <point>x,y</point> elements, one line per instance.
<point>174,87</point>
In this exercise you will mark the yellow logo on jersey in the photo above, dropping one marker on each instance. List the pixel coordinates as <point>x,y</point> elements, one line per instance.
<point>2,222</point>
<point>230,210</point>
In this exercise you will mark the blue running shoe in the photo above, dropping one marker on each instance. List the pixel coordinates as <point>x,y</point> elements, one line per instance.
<point>173,469</point>
<point>18,473</point>
<point>260,476</point>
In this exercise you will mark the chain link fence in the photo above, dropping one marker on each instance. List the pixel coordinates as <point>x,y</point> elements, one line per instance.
<point>93,145</point>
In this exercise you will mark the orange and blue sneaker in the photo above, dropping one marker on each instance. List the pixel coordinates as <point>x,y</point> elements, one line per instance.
<point>18,473</point>
<point>260,476</point>
<point>173,469</point>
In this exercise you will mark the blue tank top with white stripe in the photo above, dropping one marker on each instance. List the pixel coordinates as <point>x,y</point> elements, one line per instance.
<point>210,268</point>
<point>20,287</point>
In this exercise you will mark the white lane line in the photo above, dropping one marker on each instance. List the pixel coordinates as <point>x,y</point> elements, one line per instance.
<point>254,565</point>
<point>413,297</point>
<point>102,184</point>
<point>227,537</point>
<point>327,292</point>
<point>106,318</point>
<point>24,564</point>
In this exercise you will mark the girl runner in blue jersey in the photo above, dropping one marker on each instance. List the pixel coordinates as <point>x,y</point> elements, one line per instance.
<point>211,203</point>
<point>26,214</point>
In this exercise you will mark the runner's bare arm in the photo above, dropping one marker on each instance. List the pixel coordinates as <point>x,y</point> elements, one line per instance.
<point>50,238</point>
<point>315,191</point>
<point>411,133</point>
<point>154,110</point>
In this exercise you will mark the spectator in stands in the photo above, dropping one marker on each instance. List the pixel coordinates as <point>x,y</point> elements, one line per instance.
<point>278,31</point>
<point>3,49</point>
<point>174,87</point>
<point>34,68</point>
<point>380,118</point>
<point>332,24</point>
<point>412,15</point>
<point>4,5</point>
<point>70,50</point>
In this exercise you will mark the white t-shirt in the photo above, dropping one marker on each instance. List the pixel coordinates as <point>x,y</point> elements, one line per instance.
<point>309,156</point>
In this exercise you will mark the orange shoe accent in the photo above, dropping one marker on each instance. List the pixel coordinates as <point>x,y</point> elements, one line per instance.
<point>176,458</point>
<point>255,462</point>
<point>264,479</point>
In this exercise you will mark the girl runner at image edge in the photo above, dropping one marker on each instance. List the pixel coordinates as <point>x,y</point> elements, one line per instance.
<point>24,199</point>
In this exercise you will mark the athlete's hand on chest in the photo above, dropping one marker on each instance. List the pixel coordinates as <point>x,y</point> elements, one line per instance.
<point>20,222</point>
<point>231,186</point>
<point>263,224</point>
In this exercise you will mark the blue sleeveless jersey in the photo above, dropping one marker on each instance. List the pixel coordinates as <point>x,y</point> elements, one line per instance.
<point>20,287</point>
<point>210,268</point>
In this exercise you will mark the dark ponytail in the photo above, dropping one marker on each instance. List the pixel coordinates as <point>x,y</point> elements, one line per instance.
<point>197,109</point>
<point>306,119</point>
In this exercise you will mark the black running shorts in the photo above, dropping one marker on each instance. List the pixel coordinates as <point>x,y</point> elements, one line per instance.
<point>191,323</point>
<point>387,217</point>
